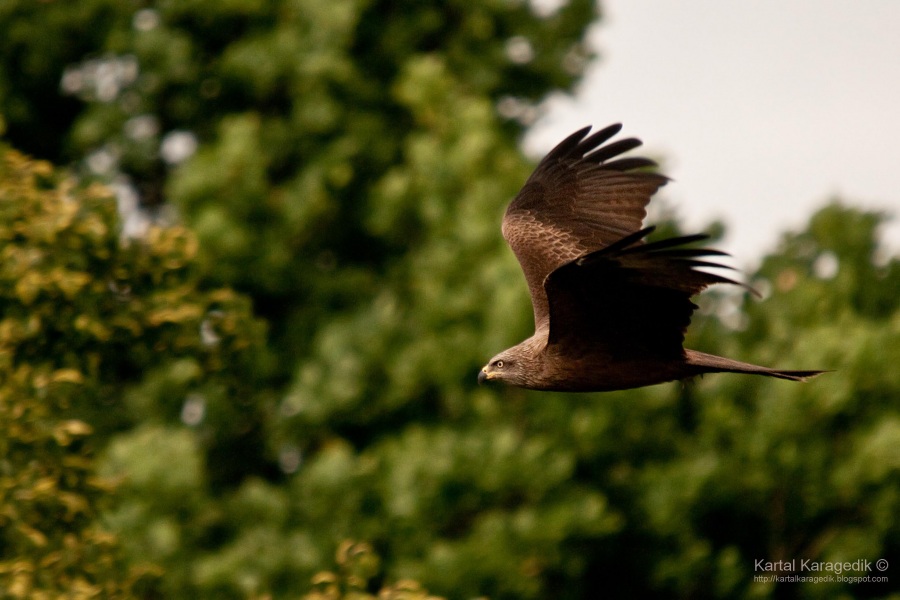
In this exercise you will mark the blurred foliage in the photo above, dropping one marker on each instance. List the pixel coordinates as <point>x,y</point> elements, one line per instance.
<point>295,365</point>
<point>85,317</point>
<point>357,565</point>
<point>50,544</point>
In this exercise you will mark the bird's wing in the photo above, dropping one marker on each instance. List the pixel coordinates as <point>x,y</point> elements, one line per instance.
<point>629,299</point>
<point>577,200</point>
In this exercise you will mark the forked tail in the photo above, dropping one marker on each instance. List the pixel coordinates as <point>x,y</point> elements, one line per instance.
<point>709,363</point>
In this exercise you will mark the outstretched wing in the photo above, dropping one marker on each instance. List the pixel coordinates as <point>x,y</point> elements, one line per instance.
<point>576,201</point>
<point>629,299</point>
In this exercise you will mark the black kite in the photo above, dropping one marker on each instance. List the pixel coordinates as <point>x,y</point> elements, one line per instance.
<point>610,311</point>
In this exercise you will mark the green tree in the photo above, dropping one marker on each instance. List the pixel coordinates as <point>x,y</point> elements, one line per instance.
<point>763,470</point>
<point>91,325</point>
<point>321,187</point>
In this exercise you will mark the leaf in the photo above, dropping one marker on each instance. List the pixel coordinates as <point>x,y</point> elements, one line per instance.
<point>67,376</point>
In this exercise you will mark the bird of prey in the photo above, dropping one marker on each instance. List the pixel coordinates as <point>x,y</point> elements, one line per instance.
<point>610,310</point>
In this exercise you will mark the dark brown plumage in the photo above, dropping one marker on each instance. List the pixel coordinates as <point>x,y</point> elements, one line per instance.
<point>610,311</point>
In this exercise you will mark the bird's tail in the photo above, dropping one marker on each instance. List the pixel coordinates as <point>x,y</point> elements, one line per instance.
<point>709,363</point>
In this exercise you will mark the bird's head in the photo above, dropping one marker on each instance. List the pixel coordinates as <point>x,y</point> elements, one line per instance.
<point>503,368</point>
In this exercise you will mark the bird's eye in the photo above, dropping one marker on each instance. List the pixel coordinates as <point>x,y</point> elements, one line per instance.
<point>499,364</point>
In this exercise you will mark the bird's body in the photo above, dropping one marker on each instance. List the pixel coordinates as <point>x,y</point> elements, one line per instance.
<point>551,368</point>
<point>610,310</point>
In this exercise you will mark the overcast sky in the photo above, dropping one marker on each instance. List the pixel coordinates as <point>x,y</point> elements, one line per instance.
<point>761,110</point>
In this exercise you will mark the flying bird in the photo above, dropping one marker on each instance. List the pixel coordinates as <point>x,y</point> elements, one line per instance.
<point>610,309</point>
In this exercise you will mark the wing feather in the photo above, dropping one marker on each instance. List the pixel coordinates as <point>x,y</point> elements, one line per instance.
<point>629,298</point>
<point>577,201</point>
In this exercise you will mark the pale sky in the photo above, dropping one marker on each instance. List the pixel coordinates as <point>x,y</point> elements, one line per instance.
<point>760,110</point>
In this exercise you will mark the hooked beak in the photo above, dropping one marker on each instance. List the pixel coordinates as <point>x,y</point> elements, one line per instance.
<point>483,376</point>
